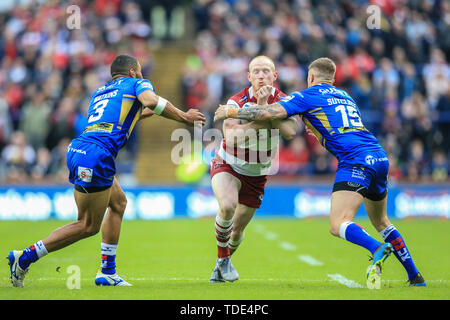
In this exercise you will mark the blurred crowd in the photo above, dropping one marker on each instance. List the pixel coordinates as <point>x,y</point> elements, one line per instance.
<point>395,65</point>
<point>398,72</point>
<point>49,69</point>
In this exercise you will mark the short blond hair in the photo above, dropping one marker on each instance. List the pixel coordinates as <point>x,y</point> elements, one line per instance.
<point>266,58</point>
<point>324,68</point>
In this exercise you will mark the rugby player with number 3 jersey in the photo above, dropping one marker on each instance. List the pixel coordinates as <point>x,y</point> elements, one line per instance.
<point>114,110</point>
<point>362,173</point>
<point>239,170</point>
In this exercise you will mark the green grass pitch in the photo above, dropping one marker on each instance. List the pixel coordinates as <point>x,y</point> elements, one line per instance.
<point>280,259</point>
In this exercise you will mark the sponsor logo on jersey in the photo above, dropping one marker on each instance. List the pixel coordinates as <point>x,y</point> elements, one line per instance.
<point>249,104</point>
<point>353,184</point>
<point>70,149</point>
<point>145,84</point>
<point>288,98</point>
<point>358,173</point>
<point>334,91</point>
<point>244,98</point>
<point>370,160</point>
<point>85,174</point>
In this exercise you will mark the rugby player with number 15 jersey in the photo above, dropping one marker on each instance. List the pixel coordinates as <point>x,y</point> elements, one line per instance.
<point>362,173</point>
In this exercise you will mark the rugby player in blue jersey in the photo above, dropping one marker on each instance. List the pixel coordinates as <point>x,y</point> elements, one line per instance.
<point>361,177</point>
<point>114,110</point>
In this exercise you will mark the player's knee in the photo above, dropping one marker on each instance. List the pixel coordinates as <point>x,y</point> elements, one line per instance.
<point>334,230</point>
<point>122,204</point>
<point>119,204</point>
<point>228,208</point>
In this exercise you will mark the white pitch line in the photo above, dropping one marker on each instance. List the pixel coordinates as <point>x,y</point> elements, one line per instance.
<point>309,260</point>
<point>271,235</point>
<point>288,246</point>
<point>343,280</point>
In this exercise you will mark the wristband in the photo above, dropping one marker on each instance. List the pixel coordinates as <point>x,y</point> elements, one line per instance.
<point>232,112</point>
<point>160,106</point>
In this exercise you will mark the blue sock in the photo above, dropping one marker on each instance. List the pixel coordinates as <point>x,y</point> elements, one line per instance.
<point>32,254</point>
<point>108,258</point>
<point>356,234</point>
<point>391,235</point>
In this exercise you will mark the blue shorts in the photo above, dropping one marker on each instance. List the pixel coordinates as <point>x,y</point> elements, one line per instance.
<point>90,165</point>
<point>368,176</point>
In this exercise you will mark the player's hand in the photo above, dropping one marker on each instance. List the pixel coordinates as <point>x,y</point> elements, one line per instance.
<point>146,113</point>
<point>263,94</point>
<point>309,132</point>
<point>193,116</point>
<point>221,113</point>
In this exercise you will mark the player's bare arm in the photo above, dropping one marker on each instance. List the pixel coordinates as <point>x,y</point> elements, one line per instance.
<point>166,109</point>
<point>236,132</point>
<point>267,112</point>
<point>288,127</point>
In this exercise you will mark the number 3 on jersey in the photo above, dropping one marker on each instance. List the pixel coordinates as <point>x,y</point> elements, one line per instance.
<point>99,107</point>
<point>350,116</point>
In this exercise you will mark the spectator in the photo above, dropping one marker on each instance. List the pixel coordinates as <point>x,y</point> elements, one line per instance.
<point>34,120</point>
<point>18,157</point>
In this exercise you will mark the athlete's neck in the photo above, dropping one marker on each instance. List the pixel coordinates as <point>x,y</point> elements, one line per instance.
<point>117,77</point>
<point>315,83</point>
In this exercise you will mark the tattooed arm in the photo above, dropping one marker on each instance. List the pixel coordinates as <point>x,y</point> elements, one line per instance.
<point>267,112</point>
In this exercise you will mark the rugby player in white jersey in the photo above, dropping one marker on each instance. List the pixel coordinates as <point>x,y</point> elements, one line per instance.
<point>241,165</point>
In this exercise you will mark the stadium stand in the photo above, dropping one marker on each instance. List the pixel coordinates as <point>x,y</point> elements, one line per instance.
<point>196,54</point>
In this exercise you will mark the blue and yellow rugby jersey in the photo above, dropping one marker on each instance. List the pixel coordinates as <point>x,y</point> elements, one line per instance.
<point>113,112</point>
<point>335,120</point>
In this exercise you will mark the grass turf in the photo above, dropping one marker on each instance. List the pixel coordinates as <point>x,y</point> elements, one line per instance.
<point>280,259</point>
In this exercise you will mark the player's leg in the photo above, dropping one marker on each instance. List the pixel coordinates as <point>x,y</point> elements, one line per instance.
<point>377,212</point>
<point>110,237</point>
<point>242,217</point>
<point>344,205</point>
<point>226,189</point>
<point>91,209</point>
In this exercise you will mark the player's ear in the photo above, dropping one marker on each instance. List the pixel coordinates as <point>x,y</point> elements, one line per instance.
<point>248,76</point>
<point>275,75</point>
<point>132,73</point>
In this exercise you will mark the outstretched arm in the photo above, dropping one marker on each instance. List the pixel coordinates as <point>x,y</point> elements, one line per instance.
<point>266,112</point>
<point>164,108</point>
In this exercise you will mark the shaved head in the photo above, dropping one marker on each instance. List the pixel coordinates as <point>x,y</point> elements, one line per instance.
<point>261,60</point>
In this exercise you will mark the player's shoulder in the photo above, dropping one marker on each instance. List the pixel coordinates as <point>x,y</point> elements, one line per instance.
<point>327,89</point>
<point>278,94</point>
<point>300,94</point>
<point>134,83</point>
<point>240,98</point>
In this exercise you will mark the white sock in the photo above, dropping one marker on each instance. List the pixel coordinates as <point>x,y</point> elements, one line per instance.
<point>387,231</point>
<point>233,245</point>
<point>109,249</point>
<point>343,228</point>
<point>41,250</point>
